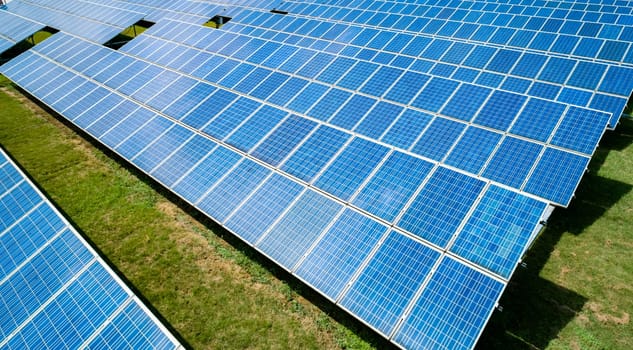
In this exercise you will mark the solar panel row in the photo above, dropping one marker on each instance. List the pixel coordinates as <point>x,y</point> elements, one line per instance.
<point>56,291</point>
<point>566,80</point>
<point>82,25</point>
<point>340,245</point>
<point>583,33</point>
<point>93,12</point>
<point>443,139</point>
<point>189,11</point>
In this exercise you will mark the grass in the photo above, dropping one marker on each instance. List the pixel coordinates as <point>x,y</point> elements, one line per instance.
<point>127,34</point>
<point>216,292</point>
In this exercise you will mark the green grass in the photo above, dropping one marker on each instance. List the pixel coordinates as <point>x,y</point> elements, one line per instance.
<point>125,36</point>
<point>217,292</point>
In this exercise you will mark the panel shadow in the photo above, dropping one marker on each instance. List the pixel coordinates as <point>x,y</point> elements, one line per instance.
<point>535,309</point>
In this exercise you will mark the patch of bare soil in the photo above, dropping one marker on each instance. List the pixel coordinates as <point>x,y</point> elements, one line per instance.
<point>606,317</point>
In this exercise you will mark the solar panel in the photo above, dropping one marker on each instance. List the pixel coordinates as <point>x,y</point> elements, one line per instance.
<point>15,29</point>
<point>399,164</point>
<point>57,291</point>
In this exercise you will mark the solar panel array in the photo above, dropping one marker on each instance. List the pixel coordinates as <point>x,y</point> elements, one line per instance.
<point>56,291</point>
<point>397,157</point>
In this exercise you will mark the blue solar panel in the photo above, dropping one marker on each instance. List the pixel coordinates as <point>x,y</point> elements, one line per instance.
<point>438,138</point>
<point>466,101</point>
<point>507,236</point>
<point>407,87</point>
<point>538,119</point>
<point>500,110</point>
<point>190,152</point>
<point>241,182</point>
<point>581,129</point>
<point>56,290</point>
<point>389,189</point>
<point>299,228</point>
<point>283,140</point>
<point>473,149</point>
<point>383,289</point>
<point>143,137</point>
<point>163,147</point>
<point>351,167</point>
<point>333,261</point>
<point>447,195</point>
<point>256,127</point>
<point>563,169</point>
<point>435,94</point>
<point>260,211</point>
<point>448,317</point>
<point>393,124</point>
<point>512,161</point>
<point>74,18</point>
<point>15,29</point>
<point>205,174</point>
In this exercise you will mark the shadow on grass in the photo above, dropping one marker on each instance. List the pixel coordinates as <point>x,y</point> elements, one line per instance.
<point>535,309</point>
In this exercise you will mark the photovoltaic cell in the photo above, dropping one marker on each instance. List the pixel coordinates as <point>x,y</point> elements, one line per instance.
<point>178,163</point>
<point>473,149</point>
<point>350,168</point>
<point>407,87</point>
<point>563,169</point>
<point>438,138</point>
<point>435,94</point>
<point>296,231</point>
<point>512,161</point>
<point>500,110</point>
<point>378,119</point>
<point>580,129</point>
<point>353,111</point>
<point>308,160</point>
<point>231,118</point>
<point>258,213</point>
<point>283,140</point>
<point>467,100</point>
<point>407,128</point>
<point>392,185</point>
<point>232,189</point>
<point>205,174</point>
<point>249,134</point>
<point>538,119</point>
